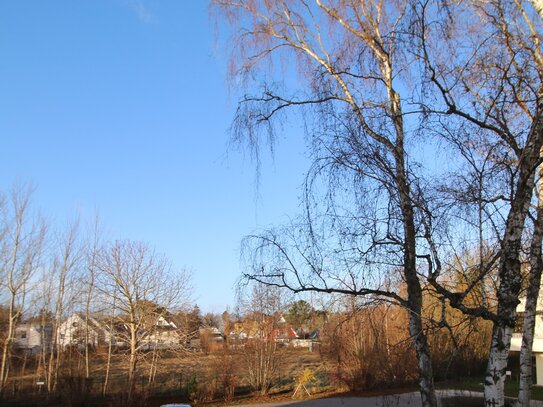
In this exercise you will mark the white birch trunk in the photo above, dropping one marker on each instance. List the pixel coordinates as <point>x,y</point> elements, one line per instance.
<point>109,350</point>
<point>532,295</point>
<point>92,272</point>
<point>87,312</point>
<point>22,252</point>
<point>4,370</point>
<point>132,362</point>
<point>509,269</point>
<point>67,263</point>
<point>497,365</point>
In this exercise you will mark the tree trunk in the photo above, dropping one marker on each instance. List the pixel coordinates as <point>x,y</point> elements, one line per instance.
<point>132,365</point>
<point>509,268</point>
<point>414,291</point>
<point>13,290</point>
<point>153,368</point>
<point>87,373</point>
<point>92,265</point>
<point>497,365</point>
<point>109,351</point>
<point>54,359</point>
<point>4,370</point>
<point>532,295</point>
<point>426,376</point>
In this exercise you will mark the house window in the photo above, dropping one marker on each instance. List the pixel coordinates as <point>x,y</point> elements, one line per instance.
<point>23,335</point>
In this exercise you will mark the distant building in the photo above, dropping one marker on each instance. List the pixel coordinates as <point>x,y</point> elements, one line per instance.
<point>163,334</point>
<point>311,342</point>
<point>283,335</point>
<point>270,329</point>
<point>73,331</point>
<point>33,337</point>
<point>209,338</point>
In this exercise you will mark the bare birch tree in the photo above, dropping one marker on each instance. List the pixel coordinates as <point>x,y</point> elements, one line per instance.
<point>21,242</point>
<point>91,258</point>
<point>381,76</point>
<point>354,55</point>
<point>535,262</point>
<point>485,67</point>
<point>534,279</point>
<point>63,269</point>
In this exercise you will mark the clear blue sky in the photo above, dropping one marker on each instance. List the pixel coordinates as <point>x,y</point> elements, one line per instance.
<point>123,106</point>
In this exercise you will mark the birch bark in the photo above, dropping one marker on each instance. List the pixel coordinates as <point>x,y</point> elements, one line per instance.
<point>534,285</point>
<point>532,295</point>
<point>509,268</point>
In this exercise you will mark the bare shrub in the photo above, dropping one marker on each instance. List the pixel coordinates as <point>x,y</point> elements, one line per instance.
<point>370,347</point>
<point>224,369</point>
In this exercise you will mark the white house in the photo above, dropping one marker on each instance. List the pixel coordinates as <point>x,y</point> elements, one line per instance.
<point>33,337</point>
<point>159,333</point>
<point>163,334</point>
<point>73,331</point>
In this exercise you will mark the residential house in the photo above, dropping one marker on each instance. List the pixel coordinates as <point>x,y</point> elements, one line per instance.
<point>162,334</point>
<point>283,334</point>
<point>271,329</point>
<point>310,342</point>
<point>33,337</point>
<point>209,338</point>
<point>73,331</point>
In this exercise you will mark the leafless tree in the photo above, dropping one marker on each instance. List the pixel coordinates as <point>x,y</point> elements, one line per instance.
<point>489,101</point>
<point>261,353</point>
<point>111,327</point>
<point>65,262</point>
<point>355,57</point>
<point>92,251</point>
<point>535,268</point>
<point>142,286</point>
<point>21,242</point>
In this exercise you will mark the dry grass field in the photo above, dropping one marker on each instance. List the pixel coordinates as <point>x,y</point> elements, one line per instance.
<point>195,376</point>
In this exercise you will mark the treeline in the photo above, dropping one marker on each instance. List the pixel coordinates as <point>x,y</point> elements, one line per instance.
<point>120,294</point>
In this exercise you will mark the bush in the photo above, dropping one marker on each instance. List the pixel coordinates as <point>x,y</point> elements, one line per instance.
<point>75,391</point>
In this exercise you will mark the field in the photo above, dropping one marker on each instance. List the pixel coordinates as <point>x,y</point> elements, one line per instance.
<point>197,377</point>
<point>213,379</point>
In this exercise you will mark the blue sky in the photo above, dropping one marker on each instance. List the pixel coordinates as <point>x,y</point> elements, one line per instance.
<point>122,106</point>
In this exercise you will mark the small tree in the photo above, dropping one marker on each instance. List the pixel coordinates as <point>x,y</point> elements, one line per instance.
<point>300,314</point>
<point>21,243</point>
<point>141,285</point>
<point>64,264</point>
<point>261,353</point>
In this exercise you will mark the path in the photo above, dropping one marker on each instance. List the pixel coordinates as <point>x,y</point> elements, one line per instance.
<point>395,400</point>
